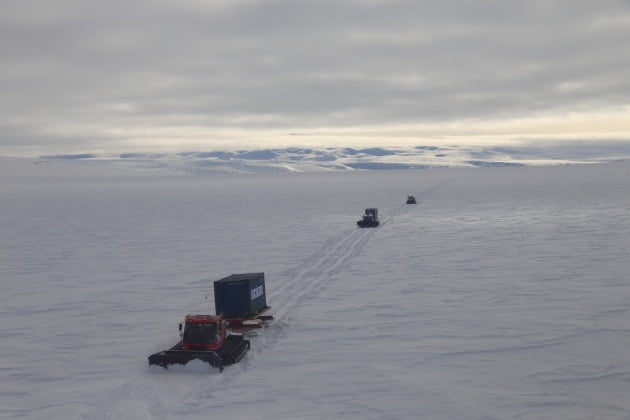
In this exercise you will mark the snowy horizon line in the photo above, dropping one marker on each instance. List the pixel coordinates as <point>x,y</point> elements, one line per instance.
<point>310,159</point>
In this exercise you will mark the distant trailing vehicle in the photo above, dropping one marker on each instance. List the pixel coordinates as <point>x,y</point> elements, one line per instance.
<point>369,219</point>
<point>411,199</point>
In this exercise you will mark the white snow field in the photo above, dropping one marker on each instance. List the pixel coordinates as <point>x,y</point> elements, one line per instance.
<point>503,294</point>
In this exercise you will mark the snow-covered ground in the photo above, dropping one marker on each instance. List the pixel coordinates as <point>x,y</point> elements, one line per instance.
<point>504,293</point>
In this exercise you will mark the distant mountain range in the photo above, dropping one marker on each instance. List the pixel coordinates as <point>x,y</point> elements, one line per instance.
<point>295,159</point>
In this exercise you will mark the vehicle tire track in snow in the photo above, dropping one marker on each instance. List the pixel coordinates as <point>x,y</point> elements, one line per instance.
<point>133,399</point>
<point>302,285</point>
<point>314,275</point>
<point>305,282</point>
<point>329,260</point>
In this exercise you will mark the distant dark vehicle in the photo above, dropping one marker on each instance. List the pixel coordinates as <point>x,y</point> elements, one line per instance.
<point>369,219</point>
<point>411,199</point>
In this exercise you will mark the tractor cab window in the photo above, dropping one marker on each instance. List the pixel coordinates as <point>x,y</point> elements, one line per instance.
<point>200,333</point>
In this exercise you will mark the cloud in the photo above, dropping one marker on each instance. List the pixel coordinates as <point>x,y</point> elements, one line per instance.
<point>286,65</point>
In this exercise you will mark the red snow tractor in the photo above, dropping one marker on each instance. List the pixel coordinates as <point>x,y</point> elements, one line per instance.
<point>205,338</point>
<point>240,304</point>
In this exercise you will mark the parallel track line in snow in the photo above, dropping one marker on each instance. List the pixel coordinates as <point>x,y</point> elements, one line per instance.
<point>305,282</point>
<point>329,260</point>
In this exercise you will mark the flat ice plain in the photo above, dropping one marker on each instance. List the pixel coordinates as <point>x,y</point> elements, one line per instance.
<point>503,294</point>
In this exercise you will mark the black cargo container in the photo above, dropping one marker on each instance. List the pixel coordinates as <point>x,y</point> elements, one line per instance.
<point>240,295</point>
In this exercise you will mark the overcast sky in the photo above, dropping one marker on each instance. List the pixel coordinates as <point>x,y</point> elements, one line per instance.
<point>86,76</point>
